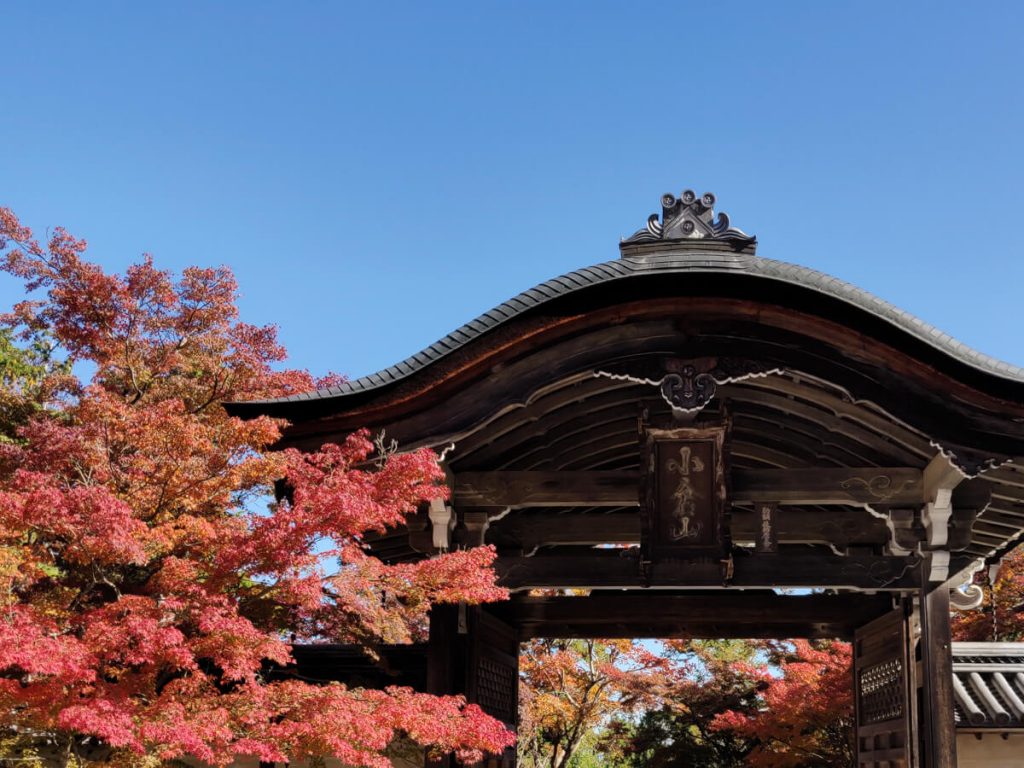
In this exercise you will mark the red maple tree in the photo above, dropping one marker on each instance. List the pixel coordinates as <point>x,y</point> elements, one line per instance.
<point>804,710</point>
<point>144,585</point>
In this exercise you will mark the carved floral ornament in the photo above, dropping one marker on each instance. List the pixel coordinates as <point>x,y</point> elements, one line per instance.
<point>689,217</point>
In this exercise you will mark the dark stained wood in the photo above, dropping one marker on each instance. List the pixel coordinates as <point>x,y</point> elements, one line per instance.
<point>885,698</point>
<point>840,526</point>
<point>857,357</point>
<point>533,530</point>
<point>766,536</point>
<point>937,678</point>
<point>685,497</point>
<point>350,664</point>
<point>577,432</point>
<point>725,614</point>
<point>853,485</point>
<point>823,416</point>
<point>613,569</point>
<point>547,489</point>
<point>446,662</point>
<point>845,485</point>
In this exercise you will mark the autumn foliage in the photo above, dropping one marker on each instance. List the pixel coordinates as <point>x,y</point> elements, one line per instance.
<point>732,703</point>
<point>803,715</point>
<point>145,586</point>
<point>570,687</point>
<point>1001,614</point>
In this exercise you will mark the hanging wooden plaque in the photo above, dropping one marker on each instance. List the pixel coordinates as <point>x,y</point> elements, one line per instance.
<point>767,540</point>
<point>685,492</point>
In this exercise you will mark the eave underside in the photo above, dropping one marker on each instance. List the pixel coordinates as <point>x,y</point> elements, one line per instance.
<point>814,392</point>
<point>781,421</point>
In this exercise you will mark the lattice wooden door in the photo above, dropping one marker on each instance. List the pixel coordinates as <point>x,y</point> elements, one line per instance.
<point>884,693</point>
<point>494,673</point>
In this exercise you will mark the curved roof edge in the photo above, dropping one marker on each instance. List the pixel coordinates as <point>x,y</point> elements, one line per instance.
<point>669,260</point>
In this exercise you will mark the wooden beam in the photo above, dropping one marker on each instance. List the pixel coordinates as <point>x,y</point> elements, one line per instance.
<point>845,485</point>
<point>547,489</point>
<point>841,527</point>
<point>579,528</point>
<point>620,569</point>
<point>728,614</point>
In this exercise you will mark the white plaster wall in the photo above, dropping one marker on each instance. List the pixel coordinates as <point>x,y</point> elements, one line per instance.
<point>990,751</point>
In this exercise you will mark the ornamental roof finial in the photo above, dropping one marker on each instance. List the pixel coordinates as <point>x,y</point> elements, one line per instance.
<point>690,217</point>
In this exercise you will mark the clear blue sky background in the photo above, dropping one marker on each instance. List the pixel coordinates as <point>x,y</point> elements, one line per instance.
<point>379,173</point>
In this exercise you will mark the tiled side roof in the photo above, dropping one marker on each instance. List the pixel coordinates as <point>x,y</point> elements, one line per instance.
<point>988,685</point>
<point>667,262</point>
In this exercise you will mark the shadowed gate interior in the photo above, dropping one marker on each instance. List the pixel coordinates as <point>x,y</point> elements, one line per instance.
<point>704,443</point>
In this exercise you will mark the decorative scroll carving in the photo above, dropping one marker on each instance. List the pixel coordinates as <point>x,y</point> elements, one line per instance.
<point>881,487</point>
<point>690,217</point>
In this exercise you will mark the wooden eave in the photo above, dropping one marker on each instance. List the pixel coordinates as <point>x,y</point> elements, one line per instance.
<point>552,381</point>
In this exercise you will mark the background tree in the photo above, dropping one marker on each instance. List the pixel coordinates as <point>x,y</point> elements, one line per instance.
<point>804,713</point>
<point>709,677</point>
<point>744,703</point>
<point>144,586</point>
<point>1001,615</point>
<point>571,687</point>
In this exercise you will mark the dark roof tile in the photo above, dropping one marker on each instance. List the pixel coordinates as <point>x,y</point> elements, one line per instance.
<point>669,263</point>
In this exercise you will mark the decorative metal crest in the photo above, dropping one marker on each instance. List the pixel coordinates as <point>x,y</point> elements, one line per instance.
<point>687,384</point>
<point>689,217</point>
<point>688,389</point>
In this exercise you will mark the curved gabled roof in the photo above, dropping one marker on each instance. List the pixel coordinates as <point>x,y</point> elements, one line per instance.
<point>673,261</point>
<point>551,379</point>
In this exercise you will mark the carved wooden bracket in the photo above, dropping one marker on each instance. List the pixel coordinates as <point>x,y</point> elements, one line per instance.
<point>443,521</point>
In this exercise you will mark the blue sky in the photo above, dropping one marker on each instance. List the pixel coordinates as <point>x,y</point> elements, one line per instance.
<point>379,173</point>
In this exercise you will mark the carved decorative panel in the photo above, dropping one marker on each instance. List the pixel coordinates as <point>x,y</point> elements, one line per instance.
<point>685,492</point>
<point>883,698</point>
<point>880,691</point>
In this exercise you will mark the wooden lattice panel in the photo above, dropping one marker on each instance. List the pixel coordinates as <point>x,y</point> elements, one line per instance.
<point>881,693</point>
<point>885,722</point>
<point>497,688</point>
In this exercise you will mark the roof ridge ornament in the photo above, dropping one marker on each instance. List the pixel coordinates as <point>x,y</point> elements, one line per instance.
<point>690,217</point>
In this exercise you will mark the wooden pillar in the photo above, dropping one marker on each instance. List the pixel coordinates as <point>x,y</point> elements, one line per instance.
<point>446,661</point>
<point>937,677</point>
<point>475,654</point>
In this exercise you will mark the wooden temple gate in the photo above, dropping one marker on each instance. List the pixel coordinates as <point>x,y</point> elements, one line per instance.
<point>710,444</point>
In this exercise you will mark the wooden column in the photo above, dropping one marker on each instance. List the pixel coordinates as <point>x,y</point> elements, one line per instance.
<point>446,661</point>
<point>937,677</point>
<point>474,654</point>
